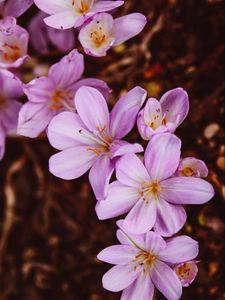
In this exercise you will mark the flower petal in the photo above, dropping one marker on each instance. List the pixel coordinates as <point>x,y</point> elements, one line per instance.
<point>61,20</point>
<point>186,190</point>
<point>128,26</point>
<point>141,289</point>
<point>179,249</point>
<point>175,105</point>
<point>120,200</point>
<point>141,218</point>
<point>71,163</point>
<point>120,277</point>
<point>16,8</point>
<point>101,6</point>
<point>100,175</point>
<point>124,112</point>
<point>64,131</point>
<point>68,70</point>
<point>131,171</point>
<point>154,242</point>
<point>98,84</point>
<point>118,254</point>
<point>125,238</point>
<point>162,155</point>
<point>170,218</point>
<point>52,6</point>
<point>166,281</point>
<point>92,108</point>
<point>121,147</point>
<point>9,114</point>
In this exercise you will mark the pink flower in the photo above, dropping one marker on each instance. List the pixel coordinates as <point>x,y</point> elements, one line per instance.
<point>164,115</point>
<point>13,43</point>
<point>143,262</point>
<point>148,191</point>
<point>190,166</point>
<point>14,8</point>
<point>91,138</point>
<point>42,36</point>
<point>66,14</point>
<point>51,95</point>
<point>186,272</point>
<point>10,91</point>
<point>103,32</point>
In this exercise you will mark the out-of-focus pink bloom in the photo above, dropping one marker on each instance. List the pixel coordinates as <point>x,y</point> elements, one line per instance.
<point>143,262</point>
<point>10,91</point>
<point>66,14</point>
<point>104,32</point>
<point>14,8</point>
<point>164,115</point>
<point>92,137</point>
<point>186,272</point>
<point>42,36</point>
<point>190,166</point>
<point>51,95</point>
<point>13,43</point>
<point>149,193</point>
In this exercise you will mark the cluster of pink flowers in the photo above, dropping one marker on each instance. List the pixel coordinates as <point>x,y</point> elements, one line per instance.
<point>73,111</point>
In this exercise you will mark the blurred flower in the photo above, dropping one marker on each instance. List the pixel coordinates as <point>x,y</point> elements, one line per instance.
<point>190,166</point>
<point>186,272</point>
<point>53,94</point>
<point>91,139</point>
<point>42,36</point>
<point>149,192</point>
<point>143,262</point>
<point>164,115</point>
<point>103,32</point>
<point>14,8</point>
<point>10,91</point>
<point>13,43</point>
<point>66,14</point>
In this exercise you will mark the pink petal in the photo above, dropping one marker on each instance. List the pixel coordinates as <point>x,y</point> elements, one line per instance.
<point>52,6</point>
<point>64,40</point>
<point>175,105</point>
<point>179,249</point>
<point>71,163</point>
<point>120,277</point>
<point>170,218</point>
<point>120,148</point>
<point>98,84</point>
<point>186,190</point>
<point>100,175</point>
<point>125,238</point>
<point>61,20</point>
<point>118,254</point>
<point>154,243</point>
<point>101,6</point>
<point>120,200</point>
<point>9,114</point>
<point>141,289</point>
<point>166,281</point>
<point>127,27</point>
<point>92,108</point>
<point>68,70</point>
<point>64,131</point>
<point>16,8</point>
<point>162,155</point>
<point>141,218</point>
<point>124,112</point>
<point>33,119</point>
<point>131,171</point>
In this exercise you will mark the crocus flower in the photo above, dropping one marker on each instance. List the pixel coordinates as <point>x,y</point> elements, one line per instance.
<point>66,14</point>
<point>91,138</point>
<point>150,193</point>
<point>53,94</point>
<point>190,166</point>
<point>14,8</point>
<point>104,32</point>
<point>143,262</point>
<point>42,36</point>
<point>164,115</point>
<point>13,43</point>
<point>186,272</point>
<point>10,91</point>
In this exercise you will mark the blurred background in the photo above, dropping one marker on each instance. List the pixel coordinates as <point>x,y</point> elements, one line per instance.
<point>50,235</point>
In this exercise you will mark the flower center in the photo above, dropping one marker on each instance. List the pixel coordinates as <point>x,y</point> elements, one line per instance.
<point>98,36</point>
<point>150,190</point>
<point>187,171</point>
<point>156,122</point>
<point>59,100</point>
<point>184,271</point>
<point>82,6</point>
<point>146,260</point>
<point>9,53</point>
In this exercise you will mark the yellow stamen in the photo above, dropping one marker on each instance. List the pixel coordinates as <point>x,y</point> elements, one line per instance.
<point>187,172</point>
<point>10,52</point>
